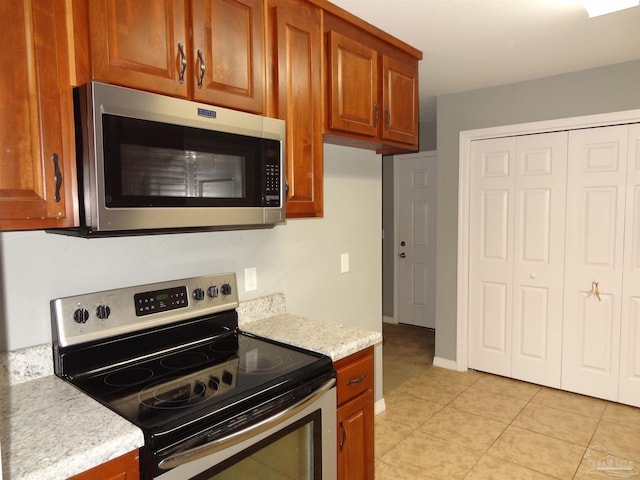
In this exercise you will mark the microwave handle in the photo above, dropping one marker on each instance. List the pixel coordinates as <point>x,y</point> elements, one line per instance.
<point>241,435</point>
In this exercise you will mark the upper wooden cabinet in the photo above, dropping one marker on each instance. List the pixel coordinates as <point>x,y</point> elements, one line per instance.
<point>295,87</point>
<point>212,52</point>
<point>228,37</point>
<point>372,90</point>
<point>353,86</point>
<point>141,44</point>
<point>36,122</point>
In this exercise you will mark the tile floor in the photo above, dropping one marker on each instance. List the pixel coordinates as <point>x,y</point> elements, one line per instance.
<point>445,425</point>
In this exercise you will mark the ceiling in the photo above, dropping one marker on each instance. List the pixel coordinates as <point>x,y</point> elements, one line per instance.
<point>470,44</point>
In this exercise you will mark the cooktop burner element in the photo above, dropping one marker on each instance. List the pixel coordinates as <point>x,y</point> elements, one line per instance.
<point>184,374</point>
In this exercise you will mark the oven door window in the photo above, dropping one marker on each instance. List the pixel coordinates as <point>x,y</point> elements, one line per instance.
<point>293,453</point>
<point>151,164</point>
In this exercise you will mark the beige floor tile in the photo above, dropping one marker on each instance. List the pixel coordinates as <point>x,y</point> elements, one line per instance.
<point>464,428</point>
<point>571,402</point>
<point>557,423</point>
<point>408,410</point>
<point>444,375</point>
<point>622,414</point>
<point>426,388</point>
<point>388,433</point>
<point>385,471</point>
<point>620,440</point>
<point>497,407</point>
<point>541,453</point>
<point>507,387</point>
<point>601,463</point>
<point>435,457</point>
<point>491,468</point>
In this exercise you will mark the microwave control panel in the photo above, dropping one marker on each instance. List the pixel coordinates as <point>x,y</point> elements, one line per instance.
<point>272,178</point>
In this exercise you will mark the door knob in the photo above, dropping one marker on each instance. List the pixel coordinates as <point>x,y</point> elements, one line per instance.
<point>402,255</point>
<point>403,243</point>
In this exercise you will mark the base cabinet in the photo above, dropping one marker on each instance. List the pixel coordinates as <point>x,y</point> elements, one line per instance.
<point>355,416</point>
<point>125,467</point>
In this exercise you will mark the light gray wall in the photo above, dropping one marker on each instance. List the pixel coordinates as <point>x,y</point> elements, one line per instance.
<point>601,90</point>
<point>300,259</point>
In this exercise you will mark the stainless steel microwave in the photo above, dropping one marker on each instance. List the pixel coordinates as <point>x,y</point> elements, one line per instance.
<point>150,163</point>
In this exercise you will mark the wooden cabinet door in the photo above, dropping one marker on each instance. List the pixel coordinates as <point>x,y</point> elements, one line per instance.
<point>125,467</point>
<point>400,101</point>
<point>353,86</point>
<point>141,44</point>
<point>228,41</point>
<point>36,122</point>
<point>296,58</point>
<point>355,438</point>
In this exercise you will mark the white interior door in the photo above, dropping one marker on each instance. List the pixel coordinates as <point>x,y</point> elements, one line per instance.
<point>594,254</point>
<point>491,254</point>
<point>416,238</point>
<point>629,389</point>
<point>539,234</point>
<point>517,212</point>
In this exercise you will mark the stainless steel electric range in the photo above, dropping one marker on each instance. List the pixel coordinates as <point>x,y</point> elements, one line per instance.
<point>212,401</point>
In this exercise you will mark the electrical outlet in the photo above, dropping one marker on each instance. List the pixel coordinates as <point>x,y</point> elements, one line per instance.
<point>250,279</point>
<point>344,263</point>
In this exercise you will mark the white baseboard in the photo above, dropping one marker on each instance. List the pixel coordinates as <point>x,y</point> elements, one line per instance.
<point>387,319</point>
<point>379,407</point>
<point>445,363</point>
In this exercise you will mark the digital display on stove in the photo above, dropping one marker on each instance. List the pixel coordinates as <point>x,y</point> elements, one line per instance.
<point>156,301</point>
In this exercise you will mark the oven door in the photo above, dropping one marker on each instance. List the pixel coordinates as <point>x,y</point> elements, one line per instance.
<point>297,443</point>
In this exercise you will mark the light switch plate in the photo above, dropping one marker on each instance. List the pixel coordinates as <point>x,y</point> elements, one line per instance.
<point>344,263</point>
<point>250,279</point>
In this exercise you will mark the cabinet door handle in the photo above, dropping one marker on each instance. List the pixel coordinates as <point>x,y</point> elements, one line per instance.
<point>57,177</point>
<point>360,379</point>
<point>203,68</point>
<point>183,62</point>
<point>344,435</point>
<point>376,114</point>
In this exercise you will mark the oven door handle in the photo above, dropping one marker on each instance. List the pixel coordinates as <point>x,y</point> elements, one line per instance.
<point>241,435</point>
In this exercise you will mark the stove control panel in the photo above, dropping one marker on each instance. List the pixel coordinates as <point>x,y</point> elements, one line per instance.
<point>93,316</point>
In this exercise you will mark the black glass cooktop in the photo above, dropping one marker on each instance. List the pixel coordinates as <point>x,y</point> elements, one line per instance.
<point>213,377</point>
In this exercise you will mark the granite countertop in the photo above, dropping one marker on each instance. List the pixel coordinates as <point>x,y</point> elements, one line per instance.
<point>333,339</point>
<point>49,430</point>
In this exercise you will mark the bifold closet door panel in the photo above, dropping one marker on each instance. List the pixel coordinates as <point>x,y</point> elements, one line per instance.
<point>491,256</point>
<point>517,194</point>
<point>593,260</point>
<point>629,389</point>
<point>539,236</point>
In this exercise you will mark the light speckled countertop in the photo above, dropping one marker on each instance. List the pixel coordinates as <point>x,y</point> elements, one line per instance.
<point>49,430</point>
<point>335,340</point>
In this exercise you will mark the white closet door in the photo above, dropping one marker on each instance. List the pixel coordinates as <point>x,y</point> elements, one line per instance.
<point>491,255</point>
<point>540,202</point>
<point>594,248</point>
<point>629,390</point>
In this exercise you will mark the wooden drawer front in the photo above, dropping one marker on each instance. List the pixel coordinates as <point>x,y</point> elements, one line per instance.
<point>354,378</point>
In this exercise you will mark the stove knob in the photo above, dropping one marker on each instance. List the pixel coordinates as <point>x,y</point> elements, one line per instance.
<point>103,312</point>
<point>226,289</point>
<point>81,315</point>
<point>198,294</point>
<point>212,291</point>
<point>214,382</point>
